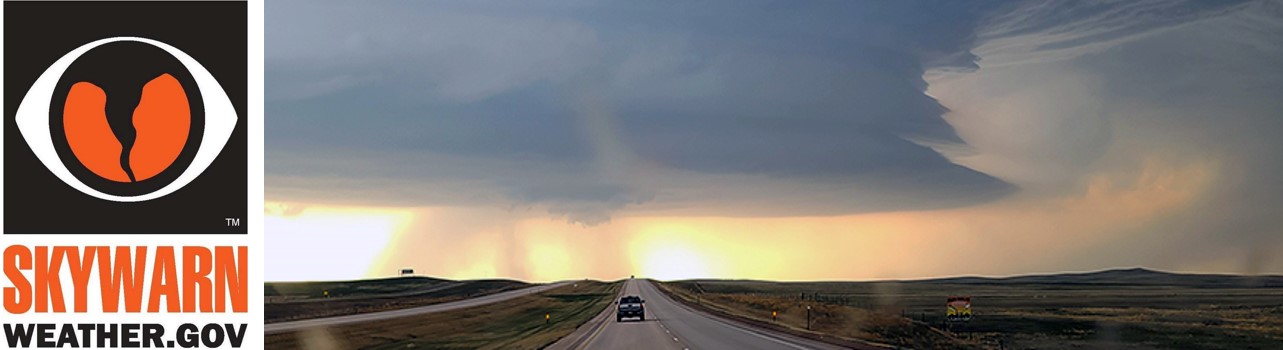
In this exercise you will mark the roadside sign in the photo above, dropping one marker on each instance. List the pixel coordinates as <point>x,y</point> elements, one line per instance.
<point>959,309</point>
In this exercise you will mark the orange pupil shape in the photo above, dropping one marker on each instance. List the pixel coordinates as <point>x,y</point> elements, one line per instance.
<point>162,121</point>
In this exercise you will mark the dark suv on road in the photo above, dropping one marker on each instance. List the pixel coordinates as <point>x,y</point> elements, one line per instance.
<point>631,306</point>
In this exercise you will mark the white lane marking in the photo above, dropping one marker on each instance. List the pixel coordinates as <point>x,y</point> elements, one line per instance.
<point>718,320</point>
<point>600,326</point>
<point>604,322</point>
<point>674,338</point>
<point>763,336</point>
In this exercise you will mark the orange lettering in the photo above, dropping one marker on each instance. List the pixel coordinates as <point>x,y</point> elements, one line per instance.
<point>122,278</point>
<point>163,281</point>
<point>196,269</point>
<point>17,299</point>
<point>48,282</point>
<point>80,270</point>
<point>231,278</point>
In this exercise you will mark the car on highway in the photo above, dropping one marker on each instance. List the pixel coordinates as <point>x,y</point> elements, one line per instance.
<point>629,307</point>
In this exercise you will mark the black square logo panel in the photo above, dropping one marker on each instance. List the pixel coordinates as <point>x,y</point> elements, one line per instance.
<point>125,118</point>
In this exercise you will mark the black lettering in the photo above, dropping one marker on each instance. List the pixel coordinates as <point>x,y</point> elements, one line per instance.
<point>107,334</point>
<point>44,338</point>
<point>213,340</point>
<point>18,335</point>
<point>151,335</point>
<point>67,337</point>
<point>129,338</point>
<point>188,337</point>
<point>235,336</point>
<point>85,330</point>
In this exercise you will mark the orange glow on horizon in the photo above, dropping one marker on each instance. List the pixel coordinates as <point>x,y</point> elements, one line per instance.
<point>1014,235</point>
<point>668,253</point>
<point>328,242</point>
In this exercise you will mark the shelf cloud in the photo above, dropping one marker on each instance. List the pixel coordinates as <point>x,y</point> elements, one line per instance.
<point>1070,135</point>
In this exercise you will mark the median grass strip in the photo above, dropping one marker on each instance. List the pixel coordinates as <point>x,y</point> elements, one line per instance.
<point>514,324</point>
<point>288,301</point>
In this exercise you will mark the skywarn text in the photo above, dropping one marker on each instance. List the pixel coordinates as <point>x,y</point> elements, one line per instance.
<point>122,273</point>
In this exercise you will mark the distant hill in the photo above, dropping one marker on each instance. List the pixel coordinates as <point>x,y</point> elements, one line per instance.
<point>363,287</point>
<point>1124,277</point>
<point>378,287</point>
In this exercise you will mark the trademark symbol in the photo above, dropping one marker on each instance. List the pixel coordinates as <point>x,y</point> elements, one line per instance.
<point>233,222</point>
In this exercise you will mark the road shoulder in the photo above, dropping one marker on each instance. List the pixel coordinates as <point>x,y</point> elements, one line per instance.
<point>764,327</point>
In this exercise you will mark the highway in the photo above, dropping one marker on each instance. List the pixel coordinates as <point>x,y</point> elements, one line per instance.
<point>291,326</point>
<point>670,325</point>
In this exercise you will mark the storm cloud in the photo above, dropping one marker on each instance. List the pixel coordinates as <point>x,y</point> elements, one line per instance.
<point>782,140</point>
<point>1075,98</point>
<point>585,109</point>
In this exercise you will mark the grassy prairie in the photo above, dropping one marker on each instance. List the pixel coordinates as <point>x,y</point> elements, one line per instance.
<point>839,324</point>
<point>302,300</point>
<point>514,324</point>
<point>1097,311</point>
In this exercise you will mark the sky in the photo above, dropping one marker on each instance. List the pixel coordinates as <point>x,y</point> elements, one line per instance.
<point>778,140</point>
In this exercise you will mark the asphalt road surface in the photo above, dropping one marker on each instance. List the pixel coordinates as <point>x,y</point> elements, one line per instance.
<point>670,325</point>
<point>382,315</point>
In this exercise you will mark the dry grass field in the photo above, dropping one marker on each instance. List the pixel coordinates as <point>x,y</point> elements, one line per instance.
<point>834,323</point>
<point>1129,309</point>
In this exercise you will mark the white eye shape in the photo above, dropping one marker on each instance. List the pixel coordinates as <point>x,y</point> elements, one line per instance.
<point>32,119</point>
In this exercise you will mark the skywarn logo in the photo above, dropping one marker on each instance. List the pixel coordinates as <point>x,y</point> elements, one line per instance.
<point>126,119</point>
<point>135,120</point>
